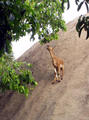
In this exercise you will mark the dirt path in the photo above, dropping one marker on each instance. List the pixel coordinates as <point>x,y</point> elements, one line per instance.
<point>67,100</point>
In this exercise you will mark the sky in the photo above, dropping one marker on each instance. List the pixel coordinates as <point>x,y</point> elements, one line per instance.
<point>24,43</point>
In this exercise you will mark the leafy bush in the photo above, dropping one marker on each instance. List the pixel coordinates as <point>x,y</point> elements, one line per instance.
<point>15,75</point>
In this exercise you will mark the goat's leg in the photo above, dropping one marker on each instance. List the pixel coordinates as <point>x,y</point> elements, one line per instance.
<point>55,76</point>
<point>62,72</point>
<point>58,73</point>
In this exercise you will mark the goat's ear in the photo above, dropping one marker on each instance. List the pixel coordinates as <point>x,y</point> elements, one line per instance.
<point>47,46</point>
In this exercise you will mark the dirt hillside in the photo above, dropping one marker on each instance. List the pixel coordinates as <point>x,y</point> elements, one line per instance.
<point>67,100</point>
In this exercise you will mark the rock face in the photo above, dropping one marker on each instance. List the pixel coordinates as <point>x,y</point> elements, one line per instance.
<point>67,100</point>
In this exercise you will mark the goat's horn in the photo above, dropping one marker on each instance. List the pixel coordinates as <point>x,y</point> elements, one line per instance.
<point>47,46</point>
<point>54,47</point>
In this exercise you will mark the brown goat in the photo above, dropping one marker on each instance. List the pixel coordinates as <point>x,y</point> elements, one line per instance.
<point>58,65</point>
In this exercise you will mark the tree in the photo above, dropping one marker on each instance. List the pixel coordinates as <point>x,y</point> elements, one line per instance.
<point>18,17</point>
<point>83,21</point>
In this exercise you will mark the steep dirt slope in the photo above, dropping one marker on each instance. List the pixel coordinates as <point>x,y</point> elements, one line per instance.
<point>67,100</point>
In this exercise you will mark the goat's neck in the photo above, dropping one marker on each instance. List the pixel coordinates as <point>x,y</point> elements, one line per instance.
<point>52,54</point>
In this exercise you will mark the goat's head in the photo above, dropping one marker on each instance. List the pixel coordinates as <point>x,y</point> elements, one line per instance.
<point>49,48</point>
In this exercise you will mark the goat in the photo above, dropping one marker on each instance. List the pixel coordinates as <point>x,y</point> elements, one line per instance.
<point>58,65</point>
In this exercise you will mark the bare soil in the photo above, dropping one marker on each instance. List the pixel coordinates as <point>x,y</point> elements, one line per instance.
<point>67,100</point>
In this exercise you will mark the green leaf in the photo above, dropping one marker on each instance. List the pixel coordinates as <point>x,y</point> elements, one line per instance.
<point>29,65</point>
<point>80,5</point>
<point>80,30</point>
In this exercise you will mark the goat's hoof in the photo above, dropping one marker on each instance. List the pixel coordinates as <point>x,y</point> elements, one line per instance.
<point>53,82</point>
<point>61,78</point>
<point>58,81</point>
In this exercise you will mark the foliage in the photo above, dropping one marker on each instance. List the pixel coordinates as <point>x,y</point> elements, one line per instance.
<point>78,2</point>
<point>86,2</point>
<point>18,17</point>
<point>14,75</point>
<point>83,21</point>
